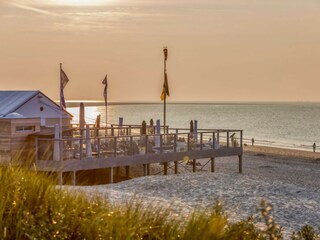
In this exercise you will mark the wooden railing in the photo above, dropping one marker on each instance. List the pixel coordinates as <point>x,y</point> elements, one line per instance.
<point>127,141</point>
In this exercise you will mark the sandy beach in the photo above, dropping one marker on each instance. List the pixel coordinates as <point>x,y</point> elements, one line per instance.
<point>287,179</point>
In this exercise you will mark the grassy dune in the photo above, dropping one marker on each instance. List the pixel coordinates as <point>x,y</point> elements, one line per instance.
<point>32,207</point>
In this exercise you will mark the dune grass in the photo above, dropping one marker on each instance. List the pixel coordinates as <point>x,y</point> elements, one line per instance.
<point>32,207</point>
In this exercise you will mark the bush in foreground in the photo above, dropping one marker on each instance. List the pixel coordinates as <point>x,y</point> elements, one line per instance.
<point>31,207</point>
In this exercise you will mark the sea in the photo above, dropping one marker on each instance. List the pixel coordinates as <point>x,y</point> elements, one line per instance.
<point>285,125</point>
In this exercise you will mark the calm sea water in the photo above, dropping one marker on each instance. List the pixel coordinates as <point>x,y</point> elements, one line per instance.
<point>290,125</point>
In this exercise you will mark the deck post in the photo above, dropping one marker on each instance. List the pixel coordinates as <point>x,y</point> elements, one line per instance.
<point>118,171</point>
<point>115,146</point>
<point>201,141</point>
<point>218,137</point>
<point>165,168</point>
<point>60,178</point>
<point>175,143</point>
<point>37,149</point>
<point>240,163</point>
<point>161,143</point>
<point>227,139</point>
<point>146,144</point>
<point>81,145</point>
<point>110,175</point>
<point>194,165</point>
<point>212,164</point>
<point>148,169</point>
<point>127,172</point>
<point>112,130</point>
<point>145,170</point>
<point>241,133</point>
<point>74,179</point>
<point>214,140</point>
<point>98,147</point>
<point>176,167</point>
<point>131,146</point>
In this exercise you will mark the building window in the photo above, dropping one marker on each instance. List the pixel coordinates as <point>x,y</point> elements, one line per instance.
<point>25,128</point>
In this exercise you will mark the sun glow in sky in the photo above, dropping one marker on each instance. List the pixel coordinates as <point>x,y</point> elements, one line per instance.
<point>81,2</point>
<point>230,50</point>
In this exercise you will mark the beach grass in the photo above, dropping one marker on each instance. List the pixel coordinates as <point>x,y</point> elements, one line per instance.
<point>32,207</point>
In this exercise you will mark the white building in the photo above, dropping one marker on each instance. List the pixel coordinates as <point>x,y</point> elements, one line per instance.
<point>33,104</point>
<point>22,114</point>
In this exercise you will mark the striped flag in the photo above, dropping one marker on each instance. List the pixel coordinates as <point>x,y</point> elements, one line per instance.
<point>63,82</point>
<point>165,88</point>
<point>105,91</point>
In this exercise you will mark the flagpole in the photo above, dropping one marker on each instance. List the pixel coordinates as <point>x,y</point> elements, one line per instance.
<point>165,96</point>
<point>60,113</point>
<point>106,103</point>
<point>60,102</point>
<point>105,95</point>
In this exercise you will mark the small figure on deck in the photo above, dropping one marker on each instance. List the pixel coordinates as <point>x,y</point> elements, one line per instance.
<point>151,128</point>
<point>252,141</point>
<point>210,142</point>
<point>314,147</point>
<point>144,128</point>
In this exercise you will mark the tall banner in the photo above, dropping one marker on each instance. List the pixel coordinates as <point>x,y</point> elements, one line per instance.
<point>63,82</point>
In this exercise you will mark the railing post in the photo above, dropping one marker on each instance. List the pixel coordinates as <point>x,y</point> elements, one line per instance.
<point>201,140</point>
<point>241,132</point>
<point>98,147</point>
<point>146,143</point>
<point>227,139</point>
<point>112,130</point>
<point>188,143</point>
<point>161,143</point>
<point>175,143</point>
<point>213,140</point>
<point>61,149</point>
<point>131,146</point>
<point>81,147</point>
<point>218,137</point>
<point>115,146</point>
<point>37,150</point>
<point>212,164</point>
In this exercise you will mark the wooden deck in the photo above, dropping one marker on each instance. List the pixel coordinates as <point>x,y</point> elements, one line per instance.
<point>91,150</point>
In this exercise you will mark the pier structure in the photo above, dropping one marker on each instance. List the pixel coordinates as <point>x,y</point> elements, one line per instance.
<point>122,146</point>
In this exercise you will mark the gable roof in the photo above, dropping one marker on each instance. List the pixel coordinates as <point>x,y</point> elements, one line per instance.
<point>10,101</point>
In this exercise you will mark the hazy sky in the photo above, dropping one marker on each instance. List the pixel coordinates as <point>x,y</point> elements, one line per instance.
<point>219,50</point>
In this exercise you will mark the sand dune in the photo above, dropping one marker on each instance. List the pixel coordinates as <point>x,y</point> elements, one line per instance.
<point>288,179</point>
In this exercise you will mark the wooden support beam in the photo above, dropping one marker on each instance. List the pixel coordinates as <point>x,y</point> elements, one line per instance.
<point>194,165</point>
<point>74,178</point>
<point>165,168</point>
<point>212,164</point>
<point>148,169</point>
<point>145,170</point>
<point>110,175</point>
<point>60,178</point>
<point>118,171</point>
<point>127,172</point>
<point>240,163</point>
<point>176,167</point>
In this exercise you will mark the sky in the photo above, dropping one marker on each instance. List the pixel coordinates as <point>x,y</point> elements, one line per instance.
<point>219,50</point>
